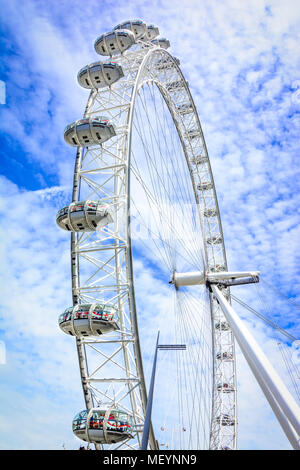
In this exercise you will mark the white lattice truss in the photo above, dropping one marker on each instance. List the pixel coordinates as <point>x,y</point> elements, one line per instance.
<point>102,268</point>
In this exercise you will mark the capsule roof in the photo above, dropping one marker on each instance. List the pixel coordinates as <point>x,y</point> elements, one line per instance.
<point>166,62</point>
<point>152,32</point>
<point>136,26</point>
<point>162,42</point>
<point>114,42</point>
<point>89,131</point>
<point>99,74</point>
<point>84,216</point>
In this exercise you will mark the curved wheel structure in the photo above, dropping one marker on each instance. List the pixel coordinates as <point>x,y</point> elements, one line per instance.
<point>149,168</point>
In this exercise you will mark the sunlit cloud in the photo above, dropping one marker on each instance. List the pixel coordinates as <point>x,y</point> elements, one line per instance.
<point>242,65</point>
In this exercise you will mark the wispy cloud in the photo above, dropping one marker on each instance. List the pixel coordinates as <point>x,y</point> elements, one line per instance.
<point>242,63</point>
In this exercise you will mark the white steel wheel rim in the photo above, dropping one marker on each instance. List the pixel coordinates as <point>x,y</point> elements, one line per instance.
<point>220,436</point>
<point>192,410</point>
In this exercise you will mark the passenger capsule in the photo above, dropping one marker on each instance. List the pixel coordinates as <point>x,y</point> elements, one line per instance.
<point>225,420</point>
<point>152,32</point>
<point>218,268</point>
<point>225,387</point>
<point>84,216</point>
<point>88,320</point>
<point>114,42</point>
<point>194,133</point>
<point>105,425</point>
<point>216,240</point>
<point>222,326</point>
<point>89,131</point>
<point>200,159</point>
<point>224,356</point>
<point>205,186</point>
<point>166,63</point>
<point>137,27</point>
<point>185,108</point>
<point>99,74</point>
<point>161,42</point>
<point>210,213</point>
<point>175,86</point>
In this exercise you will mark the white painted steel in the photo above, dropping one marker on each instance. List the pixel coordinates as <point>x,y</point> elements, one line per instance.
<point>200,277</point>
<point>231,275</point>
<point>102,261</point>
<point>188,279</point>
<point>282,402</point>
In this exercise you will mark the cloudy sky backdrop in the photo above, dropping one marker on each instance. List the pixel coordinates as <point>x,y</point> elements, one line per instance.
<point>241,60</point>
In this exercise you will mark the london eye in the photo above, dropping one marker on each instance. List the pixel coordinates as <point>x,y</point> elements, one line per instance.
<point>147,243</point>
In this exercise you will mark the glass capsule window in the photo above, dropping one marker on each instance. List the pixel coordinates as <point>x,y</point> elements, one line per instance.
<point>91,206</point>
<point>69,126</point>
<point>62,211</point>
<point>83,71</point>
<point>82,312</point>
<point>83,126</point>
<point>100,119</point>
<point>79,421</point>
<point>107,314</point>
<point>77,207</point>
<point>66,315</point>
<point>96,420</point>
<point>97,312</point>
<point>116,421</point>
<point>110,36</point>
<point>95,65</point>
<point>103,312</point>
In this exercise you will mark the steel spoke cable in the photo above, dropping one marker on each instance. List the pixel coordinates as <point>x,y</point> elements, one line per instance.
<point>190,381</point>
<point>188,324</point>
<point>155,198</point>
<point>176,233</point>
<point>171,248</point>
<point>182,164</point>
<point>289,369</point>
<point>148,196</point>
<point>265,319</point>
<point>180,159</point>
<point>166,256</point>
<point>291,301</point>
<point>166,131</point>
<point>188,252</point>
<point>183,410</point>
<point>161,153</point>
<point>188,400</point>
<point>159,126</point>
<point>156,236</point>
<point>164,241</point>
<point>153,141</point>
<point>190,313</point>
<point>161,198</point>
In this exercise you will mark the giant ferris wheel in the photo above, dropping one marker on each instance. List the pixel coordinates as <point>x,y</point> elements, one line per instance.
<point>146,237</point>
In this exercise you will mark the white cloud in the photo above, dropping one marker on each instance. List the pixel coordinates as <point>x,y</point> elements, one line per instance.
<point>241,61</point>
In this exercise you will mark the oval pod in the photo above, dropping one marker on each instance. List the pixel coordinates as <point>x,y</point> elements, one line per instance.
<point>99,74</point>
<point>114,42</point>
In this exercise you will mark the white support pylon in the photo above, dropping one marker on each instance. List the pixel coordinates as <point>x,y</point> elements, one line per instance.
<point>283,404</point>
<point>283,421</point>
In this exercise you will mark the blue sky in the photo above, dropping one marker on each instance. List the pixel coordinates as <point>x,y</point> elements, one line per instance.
<point>241,60</point>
